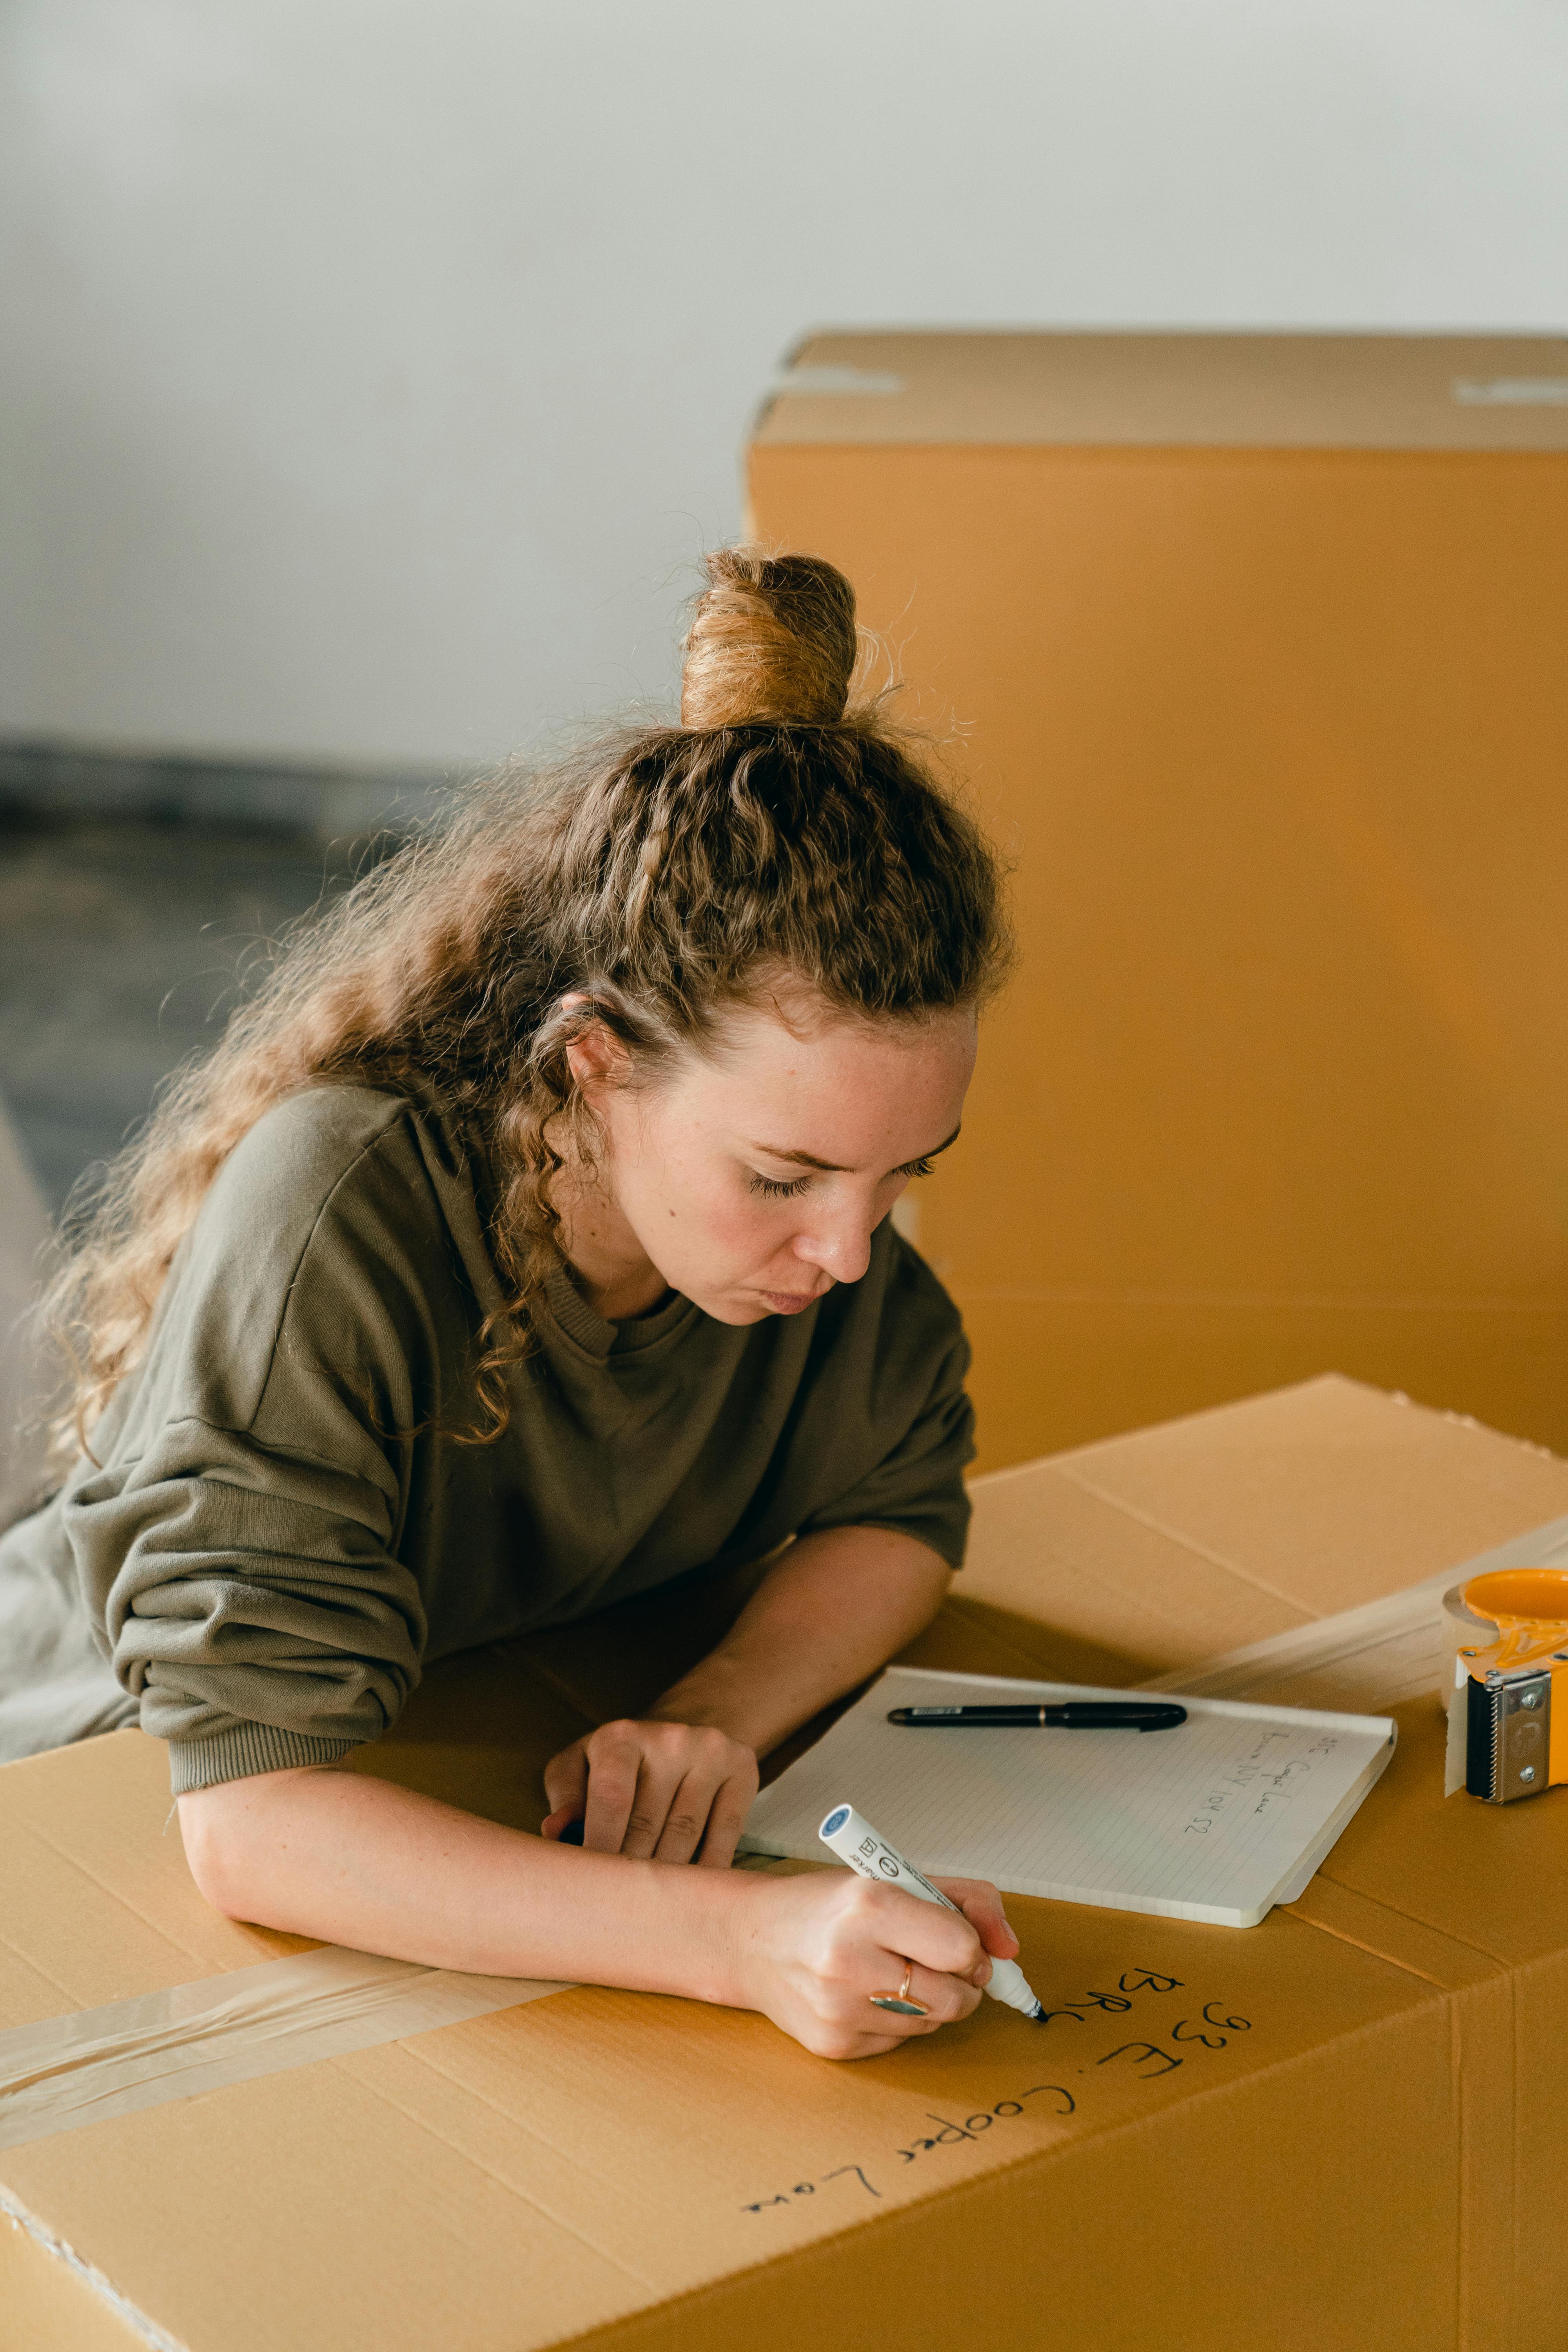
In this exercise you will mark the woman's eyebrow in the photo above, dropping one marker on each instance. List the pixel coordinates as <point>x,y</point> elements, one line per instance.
<point>835,1167</point>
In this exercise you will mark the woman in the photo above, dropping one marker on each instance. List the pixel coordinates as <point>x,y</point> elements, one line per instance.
<point>525,1245</point>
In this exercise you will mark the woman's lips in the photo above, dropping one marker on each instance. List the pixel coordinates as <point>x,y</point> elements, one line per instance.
<point>789,1302</point>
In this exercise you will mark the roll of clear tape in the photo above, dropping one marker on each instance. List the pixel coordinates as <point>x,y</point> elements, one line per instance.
<point>1466,1635</point>
<point>1511,1618</point>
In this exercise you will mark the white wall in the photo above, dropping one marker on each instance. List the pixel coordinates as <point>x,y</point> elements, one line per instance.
<point>375,369</point>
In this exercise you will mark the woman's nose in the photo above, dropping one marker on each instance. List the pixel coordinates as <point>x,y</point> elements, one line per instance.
<point>841,1247</point>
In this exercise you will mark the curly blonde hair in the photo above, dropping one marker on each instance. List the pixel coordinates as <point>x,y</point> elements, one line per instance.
<point>650,884</point>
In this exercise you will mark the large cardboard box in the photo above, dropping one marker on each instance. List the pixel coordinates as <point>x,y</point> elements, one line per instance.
<point>1345,2128</point>
<point>1255,646</point>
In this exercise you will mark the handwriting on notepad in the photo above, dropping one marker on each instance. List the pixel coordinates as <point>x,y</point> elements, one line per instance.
<point>1211,2029</point>
<point>1250,1785</point>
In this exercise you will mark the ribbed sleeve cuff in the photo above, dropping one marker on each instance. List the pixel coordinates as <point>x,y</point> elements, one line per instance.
<point>247,1749</point>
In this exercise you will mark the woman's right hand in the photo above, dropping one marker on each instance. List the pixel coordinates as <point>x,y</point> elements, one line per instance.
<point>815,1948</point>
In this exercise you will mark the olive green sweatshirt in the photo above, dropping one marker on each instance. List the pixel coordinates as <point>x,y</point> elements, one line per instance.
<point>282,1522</point>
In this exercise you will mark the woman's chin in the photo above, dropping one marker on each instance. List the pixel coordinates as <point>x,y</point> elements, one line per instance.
<point>743,1306</point>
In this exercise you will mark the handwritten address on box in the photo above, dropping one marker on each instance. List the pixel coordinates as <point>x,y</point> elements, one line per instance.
<point>1209,2031</point>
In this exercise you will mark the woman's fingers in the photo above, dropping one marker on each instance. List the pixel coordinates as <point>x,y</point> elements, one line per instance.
<point>655,1821</point>
<point>665,1790</point>
<point>939,1950</point>
<point>822,1946</point>
<point>615,1761</point>
<point>727,1817</point>
<point>944,1997</point>
<point>566,1786</point>
<point>854,2027</point>
<point>981,1906</point>
<point>709,1810</point>
<point>942,1941</point>
<point>708,1805</point>
<point>683,1817</point>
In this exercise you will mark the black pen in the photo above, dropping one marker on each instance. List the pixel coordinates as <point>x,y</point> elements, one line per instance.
<point>1071,1714</point>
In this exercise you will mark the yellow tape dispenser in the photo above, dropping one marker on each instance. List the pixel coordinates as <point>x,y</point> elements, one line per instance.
<point>1507,1643</point>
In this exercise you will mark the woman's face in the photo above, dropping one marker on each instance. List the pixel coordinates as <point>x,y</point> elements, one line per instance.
<point>752,1177</point>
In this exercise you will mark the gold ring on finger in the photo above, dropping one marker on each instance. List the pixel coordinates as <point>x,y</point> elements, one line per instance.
<point>900,2003</point>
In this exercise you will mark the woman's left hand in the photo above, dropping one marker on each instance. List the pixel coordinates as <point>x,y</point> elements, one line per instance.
<point>669,1790</point>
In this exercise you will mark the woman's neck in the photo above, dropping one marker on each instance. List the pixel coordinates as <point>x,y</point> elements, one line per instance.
<point>607,1262</point>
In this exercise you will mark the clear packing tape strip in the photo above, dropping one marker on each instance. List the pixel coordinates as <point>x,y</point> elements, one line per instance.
<point>69,2072</point>
<point>1370,1658</point>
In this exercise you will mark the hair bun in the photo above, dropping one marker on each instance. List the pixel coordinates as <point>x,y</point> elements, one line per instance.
<point>772,639</point>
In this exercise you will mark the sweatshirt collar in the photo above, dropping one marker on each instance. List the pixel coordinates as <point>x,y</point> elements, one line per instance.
<point>594,1332</point>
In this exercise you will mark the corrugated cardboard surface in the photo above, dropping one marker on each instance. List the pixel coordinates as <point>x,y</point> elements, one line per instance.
<point>1275,735</point>
<point>1132,390</point>
<point>1159,1546</point>
<point>1345,2128</point>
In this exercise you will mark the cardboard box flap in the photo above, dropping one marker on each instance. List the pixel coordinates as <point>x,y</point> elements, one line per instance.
<point>1366,2087</point>
<point>1139,1555</point>
<point>99,1902</point>
<point>1120,390</point>
<point>530,2178</point>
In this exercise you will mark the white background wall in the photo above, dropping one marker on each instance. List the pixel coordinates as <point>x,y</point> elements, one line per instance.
<point>376,369</point>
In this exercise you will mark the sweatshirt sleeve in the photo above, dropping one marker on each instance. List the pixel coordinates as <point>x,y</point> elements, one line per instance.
<point>241,1549</point>
<point>900,1406</point>
<point>255,1606</point>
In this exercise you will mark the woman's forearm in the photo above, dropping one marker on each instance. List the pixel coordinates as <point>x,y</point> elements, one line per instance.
<point>833,1608</point>
<point>328,1854</point>
<point>353,1861</point>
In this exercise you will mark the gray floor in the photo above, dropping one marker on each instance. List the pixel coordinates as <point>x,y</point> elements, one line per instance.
<point>120,941</point>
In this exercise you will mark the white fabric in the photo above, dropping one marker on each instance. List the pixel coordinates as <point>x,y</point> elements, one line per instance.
<point>55,1684</point>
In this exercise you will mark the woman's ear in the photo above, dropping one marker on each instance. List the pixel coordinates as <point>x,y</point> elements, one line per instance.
<point>595,1057</point>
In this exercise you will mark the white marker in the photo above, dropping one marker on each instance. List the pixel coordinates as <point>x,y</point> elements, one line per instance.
<point>854,1840</point>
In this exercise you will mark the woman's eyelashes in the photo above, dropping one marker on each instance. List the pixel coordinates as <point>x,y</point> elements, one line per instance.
<point>772,1189</point>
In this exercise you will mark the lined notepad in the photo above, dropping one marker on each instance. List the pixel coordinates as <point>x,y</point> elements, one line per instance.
<point>1218,1820</point>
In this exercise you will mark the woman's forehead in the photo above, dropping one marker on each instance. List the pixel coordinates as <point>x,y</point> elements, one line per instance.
<point>832,1094</point>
